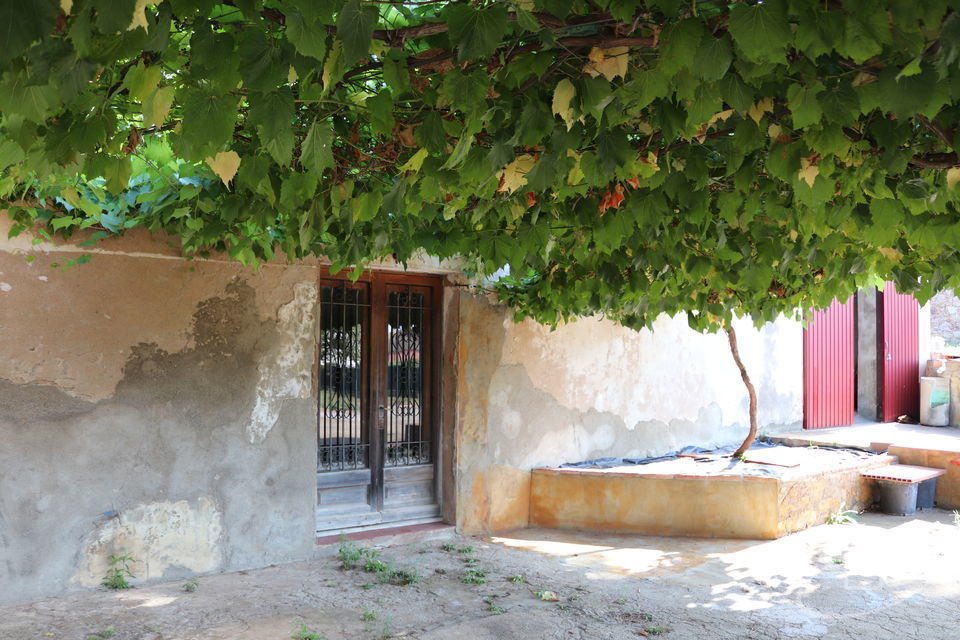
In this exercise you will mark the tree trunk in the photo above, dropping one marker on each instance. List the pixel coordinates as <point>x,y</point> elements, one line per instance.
<point>732,339</point>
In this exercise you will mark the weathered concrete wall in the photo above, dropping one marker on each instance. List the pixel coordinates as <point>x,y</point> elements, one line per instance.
<point>869,399</point>
<point>530,397</point>
<point>153,407</point>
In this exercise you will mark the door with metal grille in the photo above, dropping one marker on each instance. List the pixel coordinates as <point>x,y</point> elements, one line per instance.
<point>378,415</point>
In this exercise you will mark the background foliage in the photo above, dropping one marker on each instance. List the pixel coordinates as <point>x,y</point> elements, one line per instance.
<point>626,158</point>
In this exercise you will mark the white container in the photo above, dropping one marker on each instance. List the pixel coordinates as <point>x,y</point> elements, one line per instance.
<point>934,401</point>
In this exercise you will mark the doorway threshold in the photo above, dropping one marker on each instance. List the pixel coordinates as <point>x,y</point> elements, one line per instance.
<point>387,535</point>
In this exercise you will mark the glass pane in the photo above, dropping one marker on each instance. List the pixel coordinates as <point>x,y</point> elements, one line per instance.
<point>408,438</point>
<point>342,442</point>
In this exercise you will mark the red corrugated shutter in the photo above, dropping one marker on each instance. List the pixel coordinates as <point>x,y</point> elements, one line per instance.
<point>901,354</point>
<point>828,361</point>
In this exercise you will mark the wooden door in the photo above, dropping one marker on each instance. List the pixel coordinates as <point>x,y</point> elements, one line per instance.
<point>828,367</point>
<point>378,414</point>
<point>900,361</point>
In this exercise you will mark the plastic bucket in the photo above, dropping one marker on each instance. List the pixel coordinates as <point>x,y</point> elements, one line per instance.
<point>898,498</point>
<point>934,401</point>
<point>926,494</point>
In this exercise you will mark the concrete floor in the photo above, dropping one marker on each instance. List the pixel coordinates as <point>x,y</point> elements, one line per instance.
<point>883,579</point>
<point>860,436</point>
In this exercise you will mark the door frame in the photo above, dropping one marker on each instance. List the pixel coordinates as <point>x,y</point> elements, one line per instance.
<point>376,342</point>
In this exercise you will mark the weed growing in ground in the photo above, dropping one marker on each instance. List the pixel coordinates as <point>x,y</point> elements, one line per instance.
<point>350,554</point>
<point>654,631</point>
<point>547,596</point>
<point>102,635</point>
<point>474,575</point>
<point>470,561</point>
<point>466,549</point>
<point>191,585</point>
<point>401,577</point>
<point>385,631</point>
<point>119,571</point>
<point>374,565</point>
<point>838,560</point>
<point>448,547</point>
<point>517,579</point>
<point>440,570</point>
<point>956,518</point>
<point>353,557</point>
<point>305,633</point>
<point>843,516</point>
<point>369,616</point>
<point>492,607</point>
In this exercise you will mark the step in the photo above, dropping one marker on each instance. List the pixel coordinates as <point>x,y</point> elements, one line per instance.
<point>905,473</point>
<point>905,488</point>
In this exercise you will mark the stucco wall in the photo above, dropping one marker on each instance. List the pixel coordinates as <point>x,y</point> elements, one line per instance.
<point>155,407</point>
<point>152,407</point>
<point>531,397</point>
<point>165,408</point>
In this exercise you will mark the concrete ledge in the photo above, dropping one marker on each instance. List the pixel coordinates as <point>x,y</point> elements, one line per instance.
<point>710,504</point>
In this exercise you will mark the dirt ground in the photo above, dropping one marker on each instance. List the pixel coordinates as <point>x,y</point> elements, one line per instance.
<point>886,577</point>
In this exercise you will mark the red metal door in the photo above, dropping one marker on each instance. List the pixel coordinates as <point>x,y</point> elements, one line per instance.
<point>901,354</point>
<point>828,367</point>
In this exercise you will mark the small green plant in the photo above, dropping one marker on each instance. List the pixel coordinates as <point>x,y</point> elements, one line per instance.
<point>956,518</point>
<point>655,631</point>
<point>448,547</point>
<point>517,579</point>
<point>470,561</point>
<point>466,549</point>
<point>643,615</point>
<point>401,577</point>
<point>619,601</point>
<point>191,585</point>
<point>546,596</point>
<point>350,554</point>
<point>119,571</point>
<point>369,616</point>
<point>305,633</point>
<point>385,631</point>
<point>838,560</point>
<point>843,516</point>
<point>375,565</point>
<point>496,610</point>
<point>440,570</point>
<point>474,576</point>
<point>102,635</point>
<point>368,586</point>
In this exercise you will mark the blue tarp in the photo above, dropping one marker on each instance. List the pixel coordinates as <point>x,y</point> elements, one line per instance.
<point>607,463</point>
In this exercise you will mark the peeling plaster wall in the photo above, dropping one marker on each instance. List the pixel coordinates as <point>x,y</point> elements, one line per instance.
<point>153,407</point>
<point>530,397</point>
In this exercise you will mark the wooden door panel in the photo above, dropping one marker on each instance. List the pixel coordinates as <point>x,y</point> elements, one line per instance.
<point>413,485</point>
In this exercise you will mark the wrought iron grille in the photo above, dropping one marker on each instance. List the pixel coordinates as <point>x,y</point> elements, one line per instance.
<point>342,441</point>
<point>407,442</point>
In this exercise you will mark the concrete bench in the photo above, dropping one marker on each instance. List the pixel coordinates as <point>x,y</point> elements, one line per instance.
<point>904,487</point>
